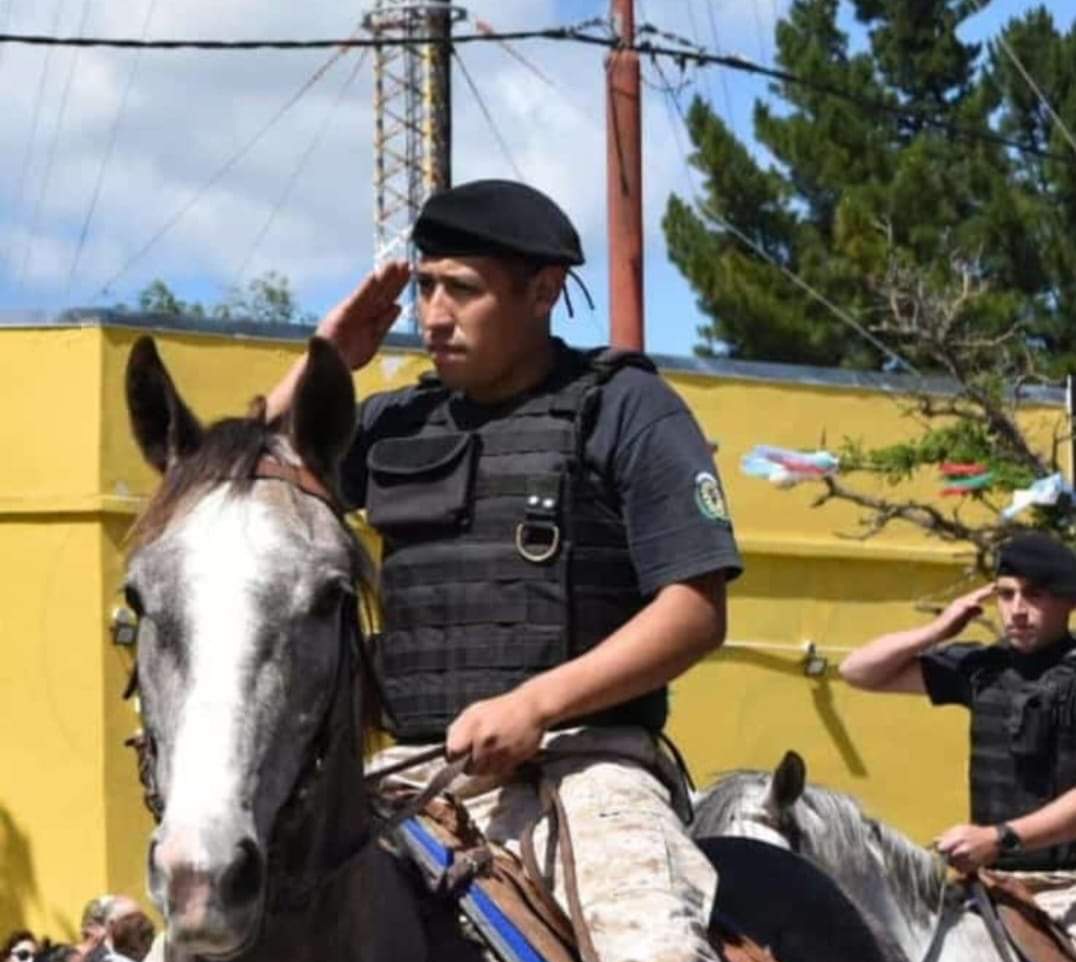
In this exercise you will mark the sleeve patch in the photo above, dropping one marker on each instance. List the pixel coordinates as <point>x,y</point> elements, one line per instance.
<point>709,497</point>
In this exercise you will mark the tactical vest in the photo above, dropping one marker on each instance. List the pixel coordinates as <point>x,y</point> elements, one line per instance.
<point>503,555</point>
<point>1023,748</point>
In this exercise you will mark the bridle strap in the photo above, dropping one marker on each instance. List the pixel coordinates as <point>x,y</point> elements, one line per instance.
<point>271,469</point>
<point>991,919</point>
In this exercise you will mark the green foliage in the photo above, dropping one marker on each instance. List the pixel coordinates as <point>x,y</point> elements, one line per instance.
<point>854,188</point>
<point>964,441</point>
<point>158,298</point>
<point>267,299</point>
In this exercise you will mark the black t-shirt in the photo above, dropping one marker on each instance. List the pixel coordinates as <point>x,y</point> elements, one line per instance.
<point>948,671</point>
<point>653,460</point>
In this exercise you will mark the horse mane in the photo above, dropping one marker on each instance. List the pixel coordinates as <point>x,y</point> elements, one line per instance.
<point>912,870</point>
<point>228,452</point>
<point>849,838</point>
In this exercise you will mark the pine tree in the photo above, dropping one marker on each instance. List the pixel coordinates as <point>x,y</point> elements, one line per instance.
<point>901,175</point>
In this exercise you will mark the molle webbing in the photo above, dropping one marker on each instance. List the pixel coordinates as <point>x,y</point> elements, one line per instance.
<point>1023,751</point>
<point>535,570</point>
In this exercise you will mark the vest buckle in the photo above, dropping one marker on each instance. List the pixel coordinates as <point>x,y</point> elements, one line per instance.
<point>537,541</point>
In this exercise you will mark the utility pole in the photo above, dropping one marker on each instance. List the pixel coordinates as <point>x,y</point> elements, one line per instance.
<point>412,121</point>
<point>624,179</point>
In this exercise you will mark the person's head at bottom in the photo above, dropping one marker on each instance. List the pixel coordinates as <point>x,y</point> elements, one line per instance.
<point>1036,590</point>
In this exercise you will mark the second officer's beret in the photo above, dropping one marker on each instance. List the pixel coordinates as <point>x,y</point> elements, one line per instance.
<point>1042,560</point>
<point>487,218</point>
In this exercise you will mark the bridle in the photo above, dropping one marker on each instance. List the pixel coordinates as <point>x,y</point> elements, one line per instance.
<point>352,654</point>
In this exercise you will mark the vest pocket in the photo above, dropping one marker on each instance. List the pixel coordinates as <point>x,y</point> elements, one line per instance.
<point>424,481</point>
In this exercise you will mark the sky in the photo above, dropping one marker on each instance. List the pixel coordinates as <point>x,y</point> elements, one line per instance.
<point>114,161</point>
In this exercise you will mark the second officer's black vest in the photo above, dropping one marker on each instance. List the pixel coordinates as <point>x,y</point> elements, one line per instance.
<point>503,555</point>
<point>1023,742</point>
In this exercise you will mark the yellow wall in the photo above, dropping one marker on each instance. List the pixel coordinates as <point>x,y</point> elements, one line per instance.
<point>71,822</point>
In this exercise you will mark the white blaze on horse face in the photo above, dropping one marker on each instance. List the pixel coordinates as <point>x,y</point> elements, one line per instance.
<point>227,545</point>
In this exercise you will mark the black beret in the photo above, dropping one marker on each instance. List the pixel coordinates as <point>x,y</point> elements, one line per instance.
<point>1042,560</point>
<point>496,217</point>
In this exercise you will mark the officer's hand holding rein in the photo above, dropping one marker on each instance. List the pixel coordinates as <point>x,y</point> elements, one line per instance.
<point>498,733</point>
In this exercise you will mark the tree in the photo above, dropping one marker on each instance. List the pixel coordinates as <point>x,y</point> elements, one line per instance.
<point>973,419</point>
<point>903,170</point>
<point>267,299</point>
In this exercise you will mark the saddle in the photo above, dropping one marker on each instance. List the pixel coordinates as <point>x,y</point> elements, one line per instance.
<point>513,912</point>
<point>783,901</point>
<point>1029,928</point>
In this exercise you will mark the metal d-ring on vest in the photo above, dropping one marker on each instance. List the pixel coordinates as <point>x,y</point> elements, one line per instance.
<point>541,513</point>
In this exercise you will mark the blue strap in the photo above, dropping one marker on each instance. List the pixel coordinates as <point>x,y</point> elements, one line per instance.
<point>497,928</point>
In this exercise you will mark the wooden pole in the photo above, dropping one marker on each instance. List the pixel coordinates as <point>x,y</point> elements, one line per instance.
<point>624,176</point>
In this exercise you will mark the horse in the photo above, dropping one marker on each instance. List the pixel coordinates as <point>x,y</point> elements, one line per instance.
<point>255,696</point>
<point>242,574</point>
<point>898,886</point>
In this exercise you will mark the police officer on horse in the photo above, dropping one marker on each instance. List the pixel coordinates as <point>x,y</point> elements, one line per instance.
<point>1021,694</point>
<point>555,551</point>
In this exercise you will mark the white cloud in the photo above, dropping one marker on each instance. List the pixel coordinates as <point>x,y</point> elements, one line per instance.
<point>190,111</point>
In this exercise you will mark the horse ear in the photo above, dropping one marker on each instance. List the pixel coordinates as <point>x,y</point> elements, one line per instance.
<point>162,424</point>
<point>789,779</point>
<point>322,417</point>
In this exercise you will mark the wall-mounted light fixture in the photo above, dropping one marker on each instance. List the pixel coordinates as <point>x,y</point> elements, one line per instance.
<point>815,664</point>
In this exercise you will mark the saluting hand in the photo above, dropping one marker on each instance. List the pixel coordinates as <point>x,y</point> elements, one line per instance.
<point>359,323</point>
<point>968,847</point>
<point>498,733</point>
<point>954,619</point>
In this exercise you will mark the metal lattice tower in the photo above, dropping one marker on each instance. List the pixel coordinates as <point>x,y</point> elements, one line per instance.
<point>412,119</point>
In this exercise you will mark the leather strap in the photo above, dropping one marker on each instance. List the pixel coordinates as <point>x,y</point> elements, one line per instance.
<point>269,468</point>
<point>990,918</point>
<point>561,836</point>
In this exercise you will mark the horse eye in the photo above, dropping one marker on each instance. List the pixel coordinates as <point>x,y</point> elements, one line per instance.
<point>133,599</point>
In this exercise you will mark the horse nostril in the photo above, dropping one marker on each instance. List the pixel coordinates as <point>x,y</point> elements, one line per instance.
<point>243,880</point>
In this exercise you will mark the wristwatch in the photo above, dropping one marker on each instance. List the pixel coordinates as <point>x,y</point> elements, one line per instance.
<point>1008,841</point>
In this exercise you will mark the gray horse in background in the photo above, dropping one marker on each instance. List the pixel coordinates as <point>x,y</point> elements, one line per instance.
<point>898,886</point>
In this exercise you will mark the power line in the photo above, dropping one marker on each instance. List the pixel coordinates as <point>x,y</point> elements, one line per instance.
<point>5,17</point>
<point>759,31</point>
<point>576,34</point>
<point>1037,91</point>
<point>299,166</point>
<point>724,78</point>
<point>551,33</point>
<point>38,97</point>
<point>516,55</point>
<point>735,62</point>
<point>838,312</point>
<point>210,181</point>
<point>489,117</point>
<point>106,160</point>
<point>51,159</point>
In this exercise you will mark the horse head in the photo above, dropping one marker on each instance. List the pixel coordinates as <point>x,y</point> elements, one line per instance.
<point>243,587</point>
<point>892,881</point>
<point>757,805</point>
